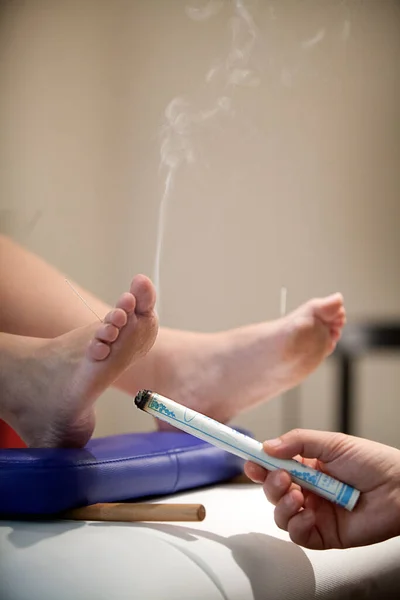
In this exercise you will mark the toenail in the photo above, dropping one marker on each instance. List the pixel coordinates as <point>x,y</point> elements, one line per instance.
<point>100,344</point>
<point>100,350</point>
<point>127,302</point>
<point>108,333</point>
<point>118,317</point>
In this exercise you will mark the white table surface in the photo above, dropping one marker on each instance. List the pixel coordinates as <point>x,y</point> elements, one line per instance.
<point>237,552</point>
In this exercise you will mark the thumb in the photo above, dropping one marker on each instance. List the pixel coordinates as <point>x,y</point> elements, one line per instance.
<point>326,446</point>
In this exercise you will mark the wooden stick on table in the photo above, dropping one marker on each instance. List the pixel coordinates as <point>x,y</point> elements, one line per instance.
<point>126,512</point>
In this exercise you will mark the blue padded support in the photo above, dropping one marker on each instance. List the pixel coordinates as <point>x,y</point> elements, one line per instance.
<point>110,469</point>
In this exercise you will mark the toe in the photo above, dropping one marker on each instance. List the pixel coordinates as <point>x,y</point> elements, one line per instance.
<point>340,318</point>
<point>338,323</point>
<point>127,302</point>
<point>331,347</point>
<point>341,313</point>
<point>145,294</point>
<point>117,317</point>
<point>98,350</point>
<point>336,334</point>
<point>330,308</point>
<point>107,333</point>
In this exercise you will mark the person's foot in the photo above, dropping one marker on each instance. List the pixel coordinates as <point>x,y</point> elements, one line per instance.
<point>53,384</point>
<point>223,374</point>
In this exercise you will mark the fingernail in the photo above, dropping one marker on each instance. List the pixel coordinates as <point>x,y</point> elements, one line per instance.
<point>273,443</point>
<point>280,479</point>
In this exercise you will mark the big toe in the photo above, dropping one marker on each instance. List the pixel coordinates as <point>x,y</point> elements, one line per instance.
<point>145,294</point>
<point>330,308</point>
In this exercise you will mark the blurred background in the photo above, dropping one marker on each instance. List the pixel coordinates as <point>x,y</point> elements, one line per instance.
<point>284,130</point>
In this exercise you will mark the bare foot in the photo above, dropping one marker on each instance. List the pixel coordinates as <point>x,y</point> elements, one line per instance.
<point>226,373</point>
<point>52,384</point>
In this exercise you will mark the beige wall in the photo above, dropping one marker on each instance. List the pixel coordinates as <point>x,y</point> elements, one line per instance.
<point>300,187</point>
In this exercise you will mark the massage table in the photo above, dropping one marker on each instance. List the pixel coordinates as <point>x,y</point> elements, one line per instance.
<point>237,552</point>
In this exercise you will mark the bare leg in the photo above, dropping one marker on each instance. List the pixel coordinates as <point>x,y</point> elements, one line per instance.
<point>219,374</point>
<point>49,387</point>
<point>227,373</point>
<point>35,301</point>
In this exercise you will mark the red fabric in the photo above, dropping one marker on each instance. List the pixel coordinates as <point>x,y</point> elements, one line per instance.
<point>8,437</point>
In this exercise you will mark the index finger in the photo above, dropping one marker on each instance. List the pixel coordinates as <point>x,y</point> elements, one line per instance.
<point>325,446</point>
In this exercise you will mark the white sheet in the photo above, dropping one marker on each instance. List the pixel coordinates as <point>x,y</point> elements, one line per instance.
<point>237,552</point>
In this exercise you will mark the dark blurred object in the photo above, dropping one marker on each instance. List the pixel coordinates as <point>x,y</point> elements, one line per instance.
<point>357,340</point>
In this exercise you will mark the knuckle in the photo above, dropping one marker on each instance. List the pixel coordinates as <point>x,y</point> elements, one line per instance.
<point>339,443</point>
<point>296,433</point>
<point>271,495</point>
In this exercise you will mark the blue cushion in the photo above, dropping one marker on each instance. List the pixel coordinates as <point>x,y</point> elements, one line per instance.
<point>110,469</point>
